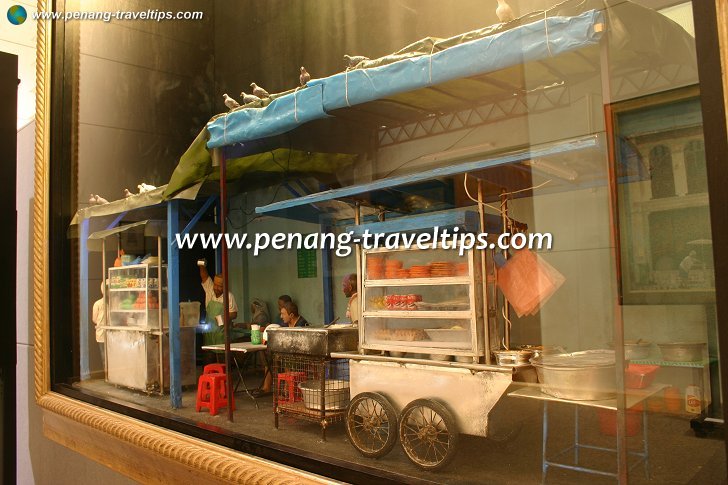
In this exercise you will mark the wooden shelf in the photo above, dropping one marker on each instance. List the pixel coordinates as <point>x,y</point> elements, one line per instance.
<point>452,315</point>
<point>666,363</point>
<point>443,280</point>
<point>136,289</point>
<point>136,266</point>
<point>441,347</point>
<point>134,328</point>
<point>151,310</point>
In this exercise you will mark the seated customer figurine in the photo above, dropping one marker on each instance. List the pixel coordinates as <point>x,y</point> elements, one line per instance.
<point>259,312</point>
<point>291,317</point>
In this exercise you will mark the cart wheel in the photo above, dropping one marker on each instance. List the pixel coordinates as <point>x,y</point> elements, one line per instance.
<point>428,434</point>
<point>371,423</point>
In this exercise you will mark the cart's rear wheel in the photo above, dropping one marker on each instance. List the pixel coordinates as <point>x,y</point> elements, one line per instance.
<point>371,423</point>
<point>428,434</point>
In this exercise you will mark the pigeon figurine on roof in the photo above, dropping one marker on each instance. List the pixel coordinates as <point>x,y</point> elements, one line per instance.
<point>96,199</point>
<point>504,11</point>
<point>258,91</point>
<point>145,188</point>
<point>248,98</point>
<point>305,77</point>
<point>230,102</point>
<point>352,61</point>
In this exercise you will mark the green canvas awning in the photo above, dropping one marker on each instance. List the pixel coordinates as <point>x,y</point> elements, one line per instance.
<point>137,201</point>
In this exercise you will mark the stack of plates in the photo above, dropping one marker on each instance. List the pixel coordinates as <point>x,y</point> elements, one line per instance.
<point>442,268</point>
<point>375,268</point>
<point>392,268</point>
<point>420,272</point>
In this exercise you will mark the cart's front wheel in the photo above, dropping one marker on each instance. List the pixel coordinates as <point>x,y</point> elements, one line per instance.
<point>428,434</point>
<point>371,423</point>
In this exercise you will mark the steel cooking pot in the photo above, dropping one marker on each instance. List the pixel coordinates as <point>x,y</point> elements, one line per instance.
<point>589,375</point>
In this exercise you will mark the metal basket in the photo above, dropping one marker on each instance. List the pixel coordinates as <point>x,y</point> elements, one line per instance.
<point>310,388</point>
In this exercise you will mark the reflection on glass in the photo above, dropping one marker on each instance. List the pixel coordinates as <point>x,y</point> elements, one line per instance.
<point>511,140</point>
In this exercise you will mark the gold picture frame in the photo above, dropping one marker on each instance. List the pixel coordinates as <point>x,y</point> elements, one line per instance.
<point>132,447</point>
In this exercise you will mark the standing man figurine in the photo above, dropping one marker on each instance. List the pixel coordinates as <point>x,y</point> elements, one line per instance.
<point>214,306</point>
<point>98,316</point>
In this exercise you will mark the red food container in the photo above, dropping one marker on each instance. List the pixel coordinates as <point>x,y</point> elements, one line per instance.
<point>638,376</point>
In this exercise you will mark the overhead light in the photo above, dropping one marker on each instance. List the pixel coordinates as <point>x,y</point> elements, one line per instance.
<point>551,168</point>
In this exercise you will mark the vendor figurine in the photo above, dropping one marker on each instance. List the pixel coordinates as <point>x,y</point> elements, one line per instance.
<point>99,318</point>
<point>350,291</point>
<point>214,306</point>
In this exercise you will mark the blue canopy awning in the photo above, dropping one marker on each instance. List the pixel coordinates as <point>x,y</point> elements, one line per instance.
<point>538,40</point>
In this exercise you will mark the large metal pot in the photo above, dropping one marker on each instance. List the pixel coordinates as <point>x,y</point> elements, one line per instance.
<point>336,394</point>
<point>636,349</point>
<point>580,376</point>
<point>682,351</point>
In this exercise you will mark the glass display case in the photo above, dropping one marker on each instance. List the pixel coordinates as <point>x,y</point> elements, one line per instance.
<point>134,298</point>
<point>423,303</point>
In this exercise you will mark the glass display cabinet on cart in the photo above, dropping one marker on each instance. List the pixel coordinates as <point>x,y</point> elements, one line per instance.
<point>137,345</point>
<point>423,303</point>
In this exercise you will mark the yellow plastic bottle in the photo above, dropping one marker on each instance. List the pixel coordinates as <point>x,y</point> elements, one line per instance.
<point>693,399</point>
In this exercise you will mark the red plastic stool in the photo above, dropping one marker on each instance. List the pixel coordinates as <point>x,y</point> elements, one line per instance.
<point>290,380</point>
<point>212,393</point>
<point>214,369</point>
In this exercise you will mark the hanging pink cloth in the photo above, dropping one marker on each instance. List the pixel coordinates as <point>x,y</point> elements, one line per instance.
<point>527,281</point>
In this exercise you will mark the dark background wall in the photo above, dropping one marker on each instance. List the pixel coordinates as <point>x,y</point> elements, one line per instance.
<point>145,91</point>
<point>267,42</point>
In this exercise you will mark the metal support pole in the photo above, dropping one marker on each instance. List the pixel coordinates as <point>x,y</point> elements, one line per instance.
<point>218,250</point>
<point>506,306</point>
<point>220,155</point>
<point>644,441</point>
<point>544,462</point>
<point>576,434</point>
<point>83,304</point>
<point>359,278</point>
<point>622,458</point>
<point>327,277</point>
<point>175,367</point>
<point>159,313</point>
<point>484,274</point>
<point>105,298</point>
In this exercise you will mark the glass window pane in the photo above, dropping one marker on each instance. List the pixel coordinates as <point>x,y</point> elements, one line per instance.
<point>555,148</point>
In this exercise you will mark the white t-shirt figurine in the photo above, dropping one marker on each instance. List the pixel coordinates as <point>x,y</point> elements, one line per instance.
<point>213,296</point>
<point>98,316</point>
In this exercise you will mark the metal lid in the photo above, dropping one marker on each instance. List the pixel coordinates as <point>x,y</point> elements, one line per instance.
<point>586,358</point>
